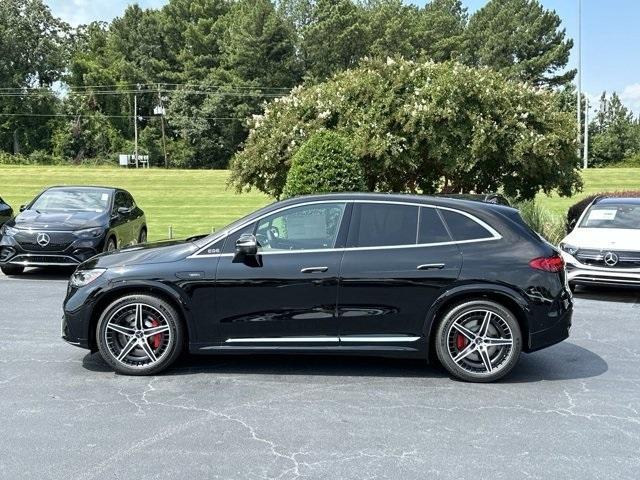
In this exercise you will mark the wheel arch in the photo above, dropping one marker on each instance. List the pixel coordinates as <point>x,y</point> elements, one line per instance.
<point>501,294</point>
<point>169,295</point>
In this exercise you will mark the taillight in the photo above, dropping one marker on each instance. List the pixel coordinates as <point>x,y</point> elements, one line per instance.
<point>548,264</point>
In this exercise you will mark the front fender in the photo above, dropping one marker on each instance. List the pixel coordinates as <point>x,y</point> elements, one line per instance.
<point>117,288</point>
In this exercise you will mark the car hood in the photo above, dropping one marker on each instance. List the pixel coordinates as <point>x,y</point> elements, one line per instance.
<point>604,238</point>
<point>65,221</point>
<point>156,252</point>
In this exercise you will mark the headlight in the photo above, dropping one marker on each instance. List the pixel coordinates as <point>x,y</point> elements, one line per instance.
<point>7,230</point>
<point>80,278</point>
<point>89,233</point>
<point>570,249</point>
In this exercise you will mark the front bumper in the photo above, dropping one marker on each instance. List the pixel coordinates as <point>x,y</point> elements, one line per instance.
<point>581,274</point>
<point>67,253</point>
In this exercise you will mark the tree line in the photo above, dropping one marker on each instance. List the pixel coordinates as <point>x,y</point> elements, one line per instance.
<point>194,73</point>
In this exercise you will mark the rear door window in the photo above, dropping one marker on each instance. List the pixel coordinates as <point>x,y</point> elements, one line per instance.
<point>430,227</point>
<point>383,224</point>
<point>463,227</point>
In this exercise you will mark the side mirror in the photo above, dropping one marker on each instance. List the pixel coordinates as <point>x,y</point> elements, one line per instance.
<point>123,210</point>
<point>23,208</point>
<point>246,245</point>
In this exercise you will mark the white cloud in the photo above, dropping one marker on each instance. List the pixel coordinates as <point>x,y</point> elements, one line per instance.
<point>630,96</point>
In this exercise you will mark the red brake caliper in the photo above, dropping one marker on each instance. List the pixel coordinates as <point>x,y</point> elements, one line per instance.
<point>157,338</point>
<point>461,342</point>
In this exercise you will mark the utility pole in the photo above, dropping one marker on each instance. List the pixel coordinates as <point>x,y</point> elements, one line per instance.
<point>578,113</point>
<point>164,144</point>
<point>586,133</point>
<point>135,124</point>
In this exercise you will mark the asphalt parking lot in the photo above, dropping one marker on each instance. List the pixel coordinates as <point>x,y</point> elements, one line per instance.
<point>571,411</point>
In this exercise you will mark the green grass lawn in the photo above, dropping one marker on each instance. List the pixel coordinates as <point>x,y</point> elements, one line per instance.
<point>192,201</point>
<point>195,201</point>
<point>595,180</point>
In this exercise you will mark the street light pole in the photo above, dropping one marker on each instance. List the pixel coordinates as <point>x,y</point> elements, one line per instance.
<point>578,111</point>
<point>586,133</point>
<point>135,125</point>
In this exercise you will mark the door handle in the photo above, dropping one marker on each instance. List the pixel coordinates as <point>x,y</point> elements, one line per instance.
<point>430,266</point>
<point>314,269</point>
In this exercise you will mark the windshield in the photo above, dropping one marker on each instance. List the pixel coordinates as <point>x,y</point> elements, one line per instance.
<point>73,200</point>
<point>612,215</point>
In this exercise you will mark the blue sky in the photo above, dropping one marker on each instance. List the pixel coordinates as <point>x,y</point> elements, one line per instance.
<point>610,37</point>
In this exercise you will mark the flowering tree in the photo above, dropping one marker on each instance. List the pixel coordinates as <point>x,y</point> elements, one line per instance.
<point>421,127</point>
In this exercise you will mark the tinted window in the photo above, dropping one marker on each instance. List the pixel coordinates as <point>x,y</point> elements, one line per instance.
<point>230,242</point>
<point>430,228</point>
<point>383,224</point>
<point>463,227</point>
<point>128,200</point>
<point>301,228</point>
<point>119,201</point>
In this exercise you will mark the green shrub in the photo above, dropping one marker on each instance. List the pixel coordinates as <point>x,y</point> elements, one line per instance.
<point>324,163</point>
<point>550,226</point>
<point>630,162</point>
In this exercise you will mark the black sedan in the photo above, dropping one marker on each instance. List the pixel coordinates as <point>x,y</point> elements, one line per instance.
<point>6,212</point>
<point>396,275</point>
<point>64,226</point>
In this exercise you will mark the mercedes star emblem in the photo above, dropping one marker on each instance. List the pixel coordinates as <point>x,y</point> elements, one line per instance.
<point>611,259</point>
<point>43,239</point>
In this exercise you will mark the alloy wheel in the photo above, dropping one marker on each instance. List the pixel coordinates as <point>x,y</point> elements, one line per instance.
<point>138,335</point>
<point>480,342</point>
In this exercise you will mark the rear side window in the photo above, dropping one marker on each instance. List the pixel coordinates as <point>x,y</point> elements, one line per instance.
<point>463,227</point>
<point>430,227</point>
<point>383,224</point>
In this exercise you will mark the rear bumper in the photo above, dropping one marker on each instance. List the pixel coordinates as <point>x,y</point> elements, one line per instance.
<point>552,335</point>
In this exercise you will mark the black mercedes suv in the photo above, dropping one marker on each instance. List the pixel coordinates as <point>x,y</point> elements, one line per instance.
<point>396,275</point>
<point>64,226</point>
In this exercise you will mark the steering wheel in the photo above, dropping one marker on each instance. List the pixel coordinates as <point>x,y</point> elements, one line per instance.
<point>273,234</point>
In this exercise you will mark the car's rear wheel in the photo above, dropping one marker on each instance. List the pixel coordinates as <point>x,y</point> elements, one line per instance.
<point>478,341</point>
<point>12,269</point>
<point>142,238</point>
<point>140,335</point>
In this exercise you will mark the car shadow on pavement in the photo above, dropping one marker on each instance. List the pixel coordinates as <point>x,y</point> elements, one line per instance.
<point>50,273</point>
<point>564,361</point>
<point>283,364</point>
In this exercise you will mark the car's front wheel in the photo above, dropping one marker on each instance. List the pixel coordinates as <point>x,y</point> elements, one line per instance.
<point>12,269</point>
<point>110,246</point>
<point>140,335</point>
<point>478,341</point>
<point>142,237</point>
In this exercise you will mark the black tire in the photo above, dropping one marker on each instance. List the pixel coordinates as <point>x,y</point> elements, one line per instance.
<point>12,269</point>
<point>111,245</point>
<point>572,287</point>
<point>502,326</point>
<point>142,236</point>
<point>138,361</point>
